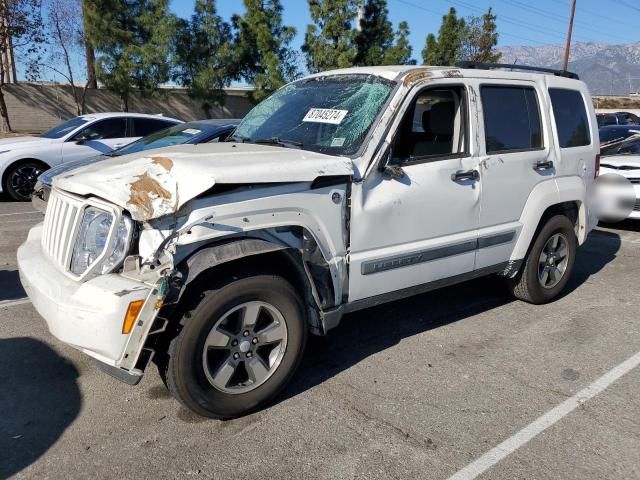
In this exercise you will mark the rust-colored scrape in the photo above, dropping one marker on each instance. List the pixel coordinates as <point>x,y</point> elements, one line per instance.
<point>143,191</point>
<point>416,76</point>
<point>453,73</point>
<point>164,162</point>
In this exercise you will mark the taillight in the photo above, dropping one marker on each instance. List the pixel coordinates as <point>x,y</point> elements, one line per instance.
<point>597,172</point>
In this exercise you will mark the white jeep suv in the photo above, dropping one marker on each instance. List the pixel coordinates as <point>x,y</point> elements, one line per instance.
<point>340,191</point>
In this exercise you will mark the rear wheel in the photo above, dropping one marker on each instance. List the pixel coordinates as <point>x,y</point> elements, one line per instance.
<point>549,263</point>
<point>21,178</point>
<point>238,347</point>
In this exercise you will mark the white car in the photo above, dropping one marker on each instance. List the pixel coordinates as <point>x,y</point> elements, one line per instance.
<point>23,159</point>
<point>627,166</point>
<point>340,191</point>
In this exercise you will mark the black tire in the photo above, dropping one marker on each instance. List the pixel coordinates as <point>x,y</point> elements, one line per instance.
<point>20,179</point>
<point>183,370</point>
<point>527,285</point>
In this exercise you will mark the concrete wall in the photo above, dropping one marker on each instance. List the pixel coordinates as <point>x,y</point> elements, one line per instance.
<point>35,108</point>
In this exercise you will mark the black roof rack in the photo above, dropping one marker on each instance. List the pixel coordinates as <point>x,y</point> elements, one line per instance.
<point>493,66</point>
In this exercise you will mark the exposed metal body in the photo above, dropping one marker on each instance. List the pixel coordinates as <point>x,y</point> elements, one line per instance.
<point>355,234</point>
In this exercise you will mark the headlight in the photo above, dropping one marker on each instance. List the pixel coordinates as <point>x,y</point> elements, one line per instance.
<point>97,244</point>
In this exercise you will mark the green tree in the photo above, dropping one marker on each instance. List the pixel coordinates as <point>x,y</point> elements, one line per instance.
<point>400,52</point>
<point>330,42</point>
<point>446,49</point>
<point>262,47</point>
<point>133,41</point>
<point>375,34</point>
<point>202,57</point>
<point>480,38</point>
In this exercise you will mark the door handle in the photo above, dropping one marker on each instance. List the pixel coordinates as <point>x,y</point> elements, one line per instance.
<point>465,175</point>
<point>543,165</point>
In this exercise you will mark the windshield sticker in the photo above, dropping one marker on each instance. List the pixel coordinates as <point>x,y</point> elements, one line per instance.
<point>338,141</point>
<point>325,115</point>
<point>191,131</point>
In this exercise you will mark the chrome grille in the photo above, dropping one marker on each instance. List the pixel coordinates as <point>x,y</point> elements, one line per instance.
<point>635,180</point>
<point>636,206</point>
<point>60,223</point>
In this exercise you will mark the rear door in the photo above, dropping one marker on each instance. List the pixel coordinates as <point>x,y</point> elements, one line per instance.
<point>515,157</point>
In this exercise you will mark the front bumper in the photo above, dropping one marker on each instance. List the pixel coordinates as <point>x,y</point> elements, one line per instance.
<point>88,315</point>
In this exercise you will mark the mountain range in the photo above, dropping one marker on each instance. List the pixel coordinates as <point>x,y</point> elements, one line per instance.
<point>608,69</point>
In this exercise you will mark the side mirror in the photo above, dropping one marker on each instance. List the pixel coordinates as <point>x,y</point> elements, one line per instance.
<point>80,141</point>
<point>393,172</point>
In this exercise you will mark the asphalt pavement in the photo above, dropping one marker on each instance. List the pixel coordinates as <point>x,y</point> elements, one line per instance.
<point>463,381</point>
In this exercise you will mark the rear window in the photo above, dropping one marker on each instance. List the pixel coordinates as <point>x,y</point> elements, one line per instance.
<point>511,119</point>
<point>571,117</point>
<point>146,126</point>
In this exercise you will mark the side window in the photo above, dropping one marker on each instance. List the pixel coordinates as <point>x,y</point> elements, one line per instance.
<point>511,119</point>
<point>104,129</point>
<point>434,126</point>
<point>146,126</point>
<point>571,117</point>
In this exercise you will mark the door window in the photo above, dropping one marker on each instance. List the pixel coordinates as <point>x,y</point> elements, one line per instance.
<point>104,129</point>
<point>571,117</point>
<point>433,127</point>
<point>146,126</point>
<point>511,119</point>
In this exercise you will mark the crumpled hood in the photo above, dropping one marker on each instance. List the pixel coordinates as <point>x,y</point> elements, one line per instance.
<point>161,181</point>
<point>12,143</point>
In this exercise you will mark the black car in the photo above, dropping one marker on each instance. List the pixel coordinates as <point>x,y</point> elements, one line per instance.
<point>200,131</point>
<point>611,133</point>
<point>617,118</point>
<point>629,146</point>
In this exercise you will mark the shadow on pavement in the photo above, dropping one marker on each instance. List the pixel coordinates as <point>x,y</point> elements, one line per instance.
<point>368,332</point>
<point>600,248</point>
<point>39,399</point>
<point>10,286</point>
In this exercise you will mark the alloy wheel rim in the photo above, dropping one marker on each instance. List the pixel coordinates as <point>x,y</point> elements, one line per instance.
<point>24,180</point>
<point>553,261</point>
<point>245,347</point>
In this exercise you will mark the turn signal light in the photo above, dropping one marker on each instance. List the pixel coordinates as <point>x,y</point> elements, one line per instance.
<point>132,315</point>
<point>597,171</point>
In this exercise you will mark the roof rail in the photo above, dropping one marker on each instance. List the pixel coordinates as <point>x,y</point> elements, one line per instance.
<point>494,66</point>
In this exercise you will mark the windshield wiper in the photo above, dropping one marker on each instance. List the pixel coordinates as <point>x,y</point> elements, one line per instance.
<point>238,139</point>
<point>279,142</point>
<point>112,153</point>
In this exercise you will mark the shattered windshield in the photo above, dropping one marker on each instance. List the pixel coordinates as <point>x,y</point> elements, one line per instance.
<point>330,114</point>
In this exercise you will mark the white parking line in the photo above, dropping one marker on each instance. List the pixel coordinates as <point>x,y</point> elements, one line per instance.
<point>21,221</point>
<point>19,213</point>
<point>13,303</point>
<point>510,445</point>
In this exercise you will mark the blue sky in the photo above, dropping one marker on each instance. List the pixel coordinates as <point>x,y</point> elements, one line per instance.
<point>520,22</point>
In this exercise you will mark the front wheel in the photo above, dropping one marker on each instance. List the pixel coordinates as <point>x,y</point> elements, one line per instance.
<point>238,347</point>
<point>21,178</point>
<point>549,263</point>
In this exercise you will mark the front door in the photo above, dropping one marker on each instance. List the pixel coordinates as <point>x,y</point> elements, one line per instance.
<point>417,223</point>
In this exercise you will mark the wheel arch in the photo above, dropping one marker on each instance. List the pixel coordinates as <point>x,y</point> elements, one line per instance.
<point>8,165</point>
<point>294,254</point>
<point>564,196</point>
